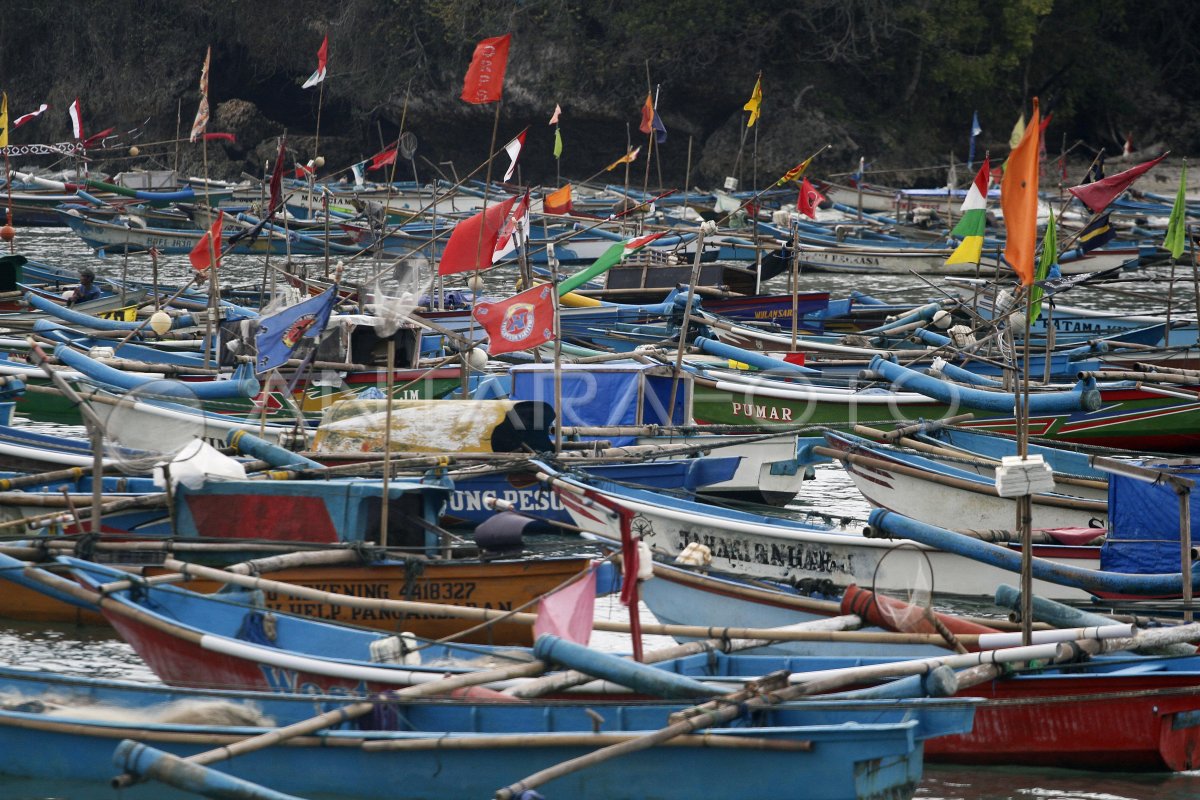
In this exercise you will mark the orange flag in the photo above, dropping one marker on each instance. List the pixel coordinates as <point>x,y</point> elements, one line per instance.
<point>1019,199</point>
<point>558,202</point>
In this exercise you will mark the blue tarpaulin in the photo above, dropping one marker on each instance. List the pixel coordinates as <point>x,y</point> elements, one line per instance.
<point>1144,523</point>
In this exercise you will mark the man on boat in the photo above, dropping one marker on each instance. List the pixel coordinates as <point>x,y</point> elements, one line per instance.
<point>86,290</point>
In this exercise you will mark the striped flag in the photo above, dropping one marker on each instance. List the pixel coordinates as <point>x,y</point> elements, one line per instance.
<point>972,220</point>
<point>76,119</point>
<point>319,75</point>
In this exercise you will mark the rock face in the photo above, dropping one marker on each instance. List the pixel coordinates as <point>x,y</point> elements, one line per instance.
<point>893,82</point>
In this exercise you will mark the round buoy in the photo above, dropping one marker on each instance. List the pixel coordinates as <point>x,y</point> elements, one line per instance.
<point>477,358</point>
<point>160,322</point>
<point>7,233</point>
<point>319,162</point>
<point>134,151</point>
<point>475,284</point>
<point>942,319</point>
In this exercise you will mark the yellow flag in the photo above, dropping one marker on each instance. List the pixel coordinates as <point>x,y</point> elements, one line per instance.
<point>625,159</point>
<point>1018,131</point>
<point>795,172</point>
<point>4,120</point>
<point>752,105</point>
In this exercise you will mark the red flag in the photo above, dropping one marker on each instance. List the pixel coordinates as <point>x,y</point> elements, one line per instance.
<point>484,82</point>
<point>568,612</point>
<point>277,179</point>
<point>522,321</point>
<point>96,138</point>
<point>809,199</point>
<point>468,249</point>
<point>383,158</point>
<point>203,256</point>
<point>1019,199</point>
<point>1099,194</point>
<point>647,124</point>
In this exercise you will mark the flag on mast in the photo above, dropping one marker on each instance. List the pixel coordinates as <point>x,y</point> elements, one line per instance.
<point>1099,193</point>
<point>1176,238</point>
<point>4,119</point>
<point>975,131</point>
<point>972,219</point>
<point>1048,258</point>
<point>513,149</point>
<point>207,251</point>
<point>201,121</point>
<point>32,115</point>
<point>322,57</point>
<point>628,158</point>
<point>555,115</point>
<point>1019,199</point>
<point>522,321</point>
<point>754,103</point>
<point>76,119</point>
<point>484,81</point>
<point>468,249</point>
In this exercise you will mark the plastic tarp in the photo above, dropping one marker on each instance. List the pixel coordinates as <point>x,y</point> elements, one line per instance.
<point>1144,523</point>
<point>595,395</point>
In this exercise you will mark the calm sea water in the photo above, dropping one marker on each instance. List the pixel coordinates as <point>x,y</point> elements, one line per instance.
<point>97,652</point>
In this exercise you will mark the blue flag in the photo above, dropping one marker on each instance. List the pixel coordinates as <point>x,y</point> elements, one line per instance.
<point>975,131</point>
<point>279,334</point>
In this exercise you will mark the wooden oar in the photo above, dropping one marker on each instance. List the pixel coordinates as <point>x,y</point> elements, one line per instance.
<point>730,707</point>
<point>337,716</point>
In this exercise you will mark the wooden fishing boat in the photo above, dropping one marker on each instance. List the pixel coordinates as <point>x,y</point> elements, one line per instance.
<point>66,729</point>
<point>1111,415</point>
<point>955,495</point>
<point>781,549</point>
<point>125,238</point>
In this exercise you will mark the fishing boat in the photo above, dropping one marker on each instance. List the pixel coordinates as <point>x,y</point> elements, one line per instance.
<point>1122,415</point>
<point>67,729</point>
<point>783,549</point>
<point>954,495</point>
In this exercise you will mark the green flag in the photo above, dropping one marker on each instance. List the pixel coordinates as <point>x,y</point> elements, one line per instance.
<point>1049,256</point>
<point>607,260</point>
<point>557,143</point>
<point>1176,239</point>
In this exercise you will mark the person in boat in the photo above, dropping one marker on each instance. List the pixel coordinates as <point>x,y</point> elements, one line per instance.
<point>86,290</point>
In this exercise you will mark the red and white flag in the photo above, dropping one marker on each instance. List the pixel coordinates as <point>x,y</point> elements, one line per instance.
<point>208,250</point>
<point>522,321</point>
<point>473,240</point>
<point>809,199</point>
<point>21,120</point>
<point>554,116</point>
<point>319,75</point>
<point>513,149</point>
<point>514,232</point>
<point>568,612</point>
<point>76,119</point>
<point>484,82</point>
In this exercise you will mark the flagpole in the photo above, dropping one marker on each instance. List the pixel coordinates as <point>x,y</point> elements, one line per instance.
<point>317,134</point>
<point>558,424</point>
<point>487,186</point>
